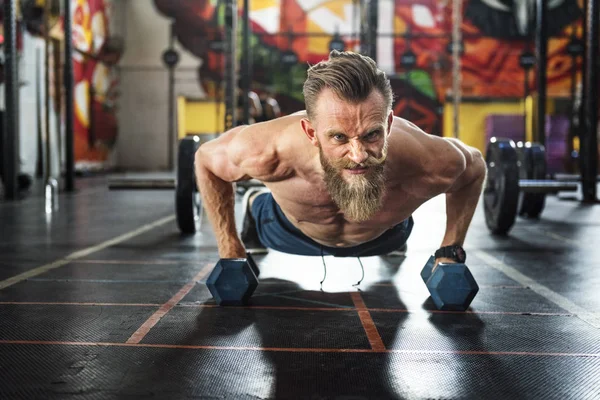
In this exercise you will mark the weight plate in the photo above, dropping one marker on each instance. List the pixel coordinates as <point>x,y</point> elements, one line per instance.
<point>501,193</point>
<point>532,204</point>
<point>187,198</point>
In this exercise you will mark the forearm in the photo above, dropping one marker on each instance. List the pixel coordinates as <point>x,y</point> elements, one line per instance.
<point>218,201</point>
<point>461,202</point>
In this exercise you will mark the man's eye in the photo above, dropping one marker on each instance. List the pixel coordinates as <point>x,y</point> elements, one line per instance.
<point>339,137</point>
<point>372,135</point>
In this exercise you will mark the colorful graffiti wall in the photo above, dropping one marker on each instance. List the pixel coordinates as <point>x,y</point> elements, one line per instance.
<point>495,34</point>
<point>95,84</point>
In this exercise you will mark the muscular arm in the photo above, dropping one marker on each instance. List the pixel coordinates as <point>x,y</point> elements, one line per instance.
<point>448,166</point>
<point>236,155</point>
<point>462,197</point>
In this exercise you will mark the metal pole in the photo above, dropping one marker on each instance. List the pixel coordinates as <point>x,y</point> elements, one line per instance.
<point>589,133</point>
<point>246,69</point>
<point>11,134</point>
<point>456,74</point>
<point>47,103</point>
<point>525,94</point>
<point>69,100</point>
<point>172,135</point>
<point>541,48</point>
<point>373,28</point>
<point>58,98</point>
<point>230,55</point>
<point>51,185</point>
<point>583,93</point>
<point>362,34</point>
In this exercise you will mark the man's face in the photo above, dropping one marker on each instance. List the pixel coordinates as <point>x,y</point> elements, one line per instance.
<point>352,141</point>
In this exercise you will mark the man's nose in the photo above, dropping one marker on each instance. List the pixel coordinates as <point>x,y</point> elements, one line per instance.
<point>358,153</point>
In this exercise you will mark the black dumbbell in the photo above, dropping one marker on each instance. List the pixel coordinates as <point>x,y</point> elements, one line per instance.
<point>233,281</point>
<point>452,286</point>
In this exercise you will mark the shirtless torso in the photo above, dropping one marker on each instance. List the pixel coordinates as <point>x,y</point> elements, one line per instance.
<point>303,197</point>
<point>419,166</point>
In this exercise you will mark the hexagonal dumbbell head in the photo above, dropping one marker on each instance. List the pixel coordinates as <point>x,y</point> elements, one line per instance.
<point>232,282</point>
<point>426,271</point>
<point>253,265</point>
<point>452,287</point>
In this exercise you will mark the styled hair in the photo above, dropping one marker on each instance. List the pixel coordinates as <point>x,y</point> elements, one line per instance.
<point>351,76</point>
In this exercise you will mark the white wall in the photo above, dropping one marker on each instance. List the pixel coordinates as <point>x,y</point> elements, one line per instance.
<point>143,106</point>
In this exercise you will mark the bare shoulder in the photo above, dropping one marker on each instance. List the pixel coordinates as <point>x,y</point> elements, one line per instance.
<point>432,163</point>
<point>250,151</point>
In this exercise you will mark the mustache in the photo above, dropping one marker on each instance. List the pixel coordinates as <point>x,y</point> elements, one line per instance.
<point>372,161</point>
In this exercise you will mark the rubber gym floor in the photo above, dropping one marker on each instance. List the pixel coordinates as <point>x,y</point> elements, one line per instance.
<point>104,299</point>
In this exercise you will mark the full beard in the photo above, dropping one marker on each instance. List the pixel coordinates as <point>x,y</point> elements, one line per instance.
<point>360,197</point>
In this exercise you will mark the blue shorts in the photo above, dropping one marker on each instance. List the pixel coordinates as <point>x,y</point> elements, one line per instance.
<point>277,232</point>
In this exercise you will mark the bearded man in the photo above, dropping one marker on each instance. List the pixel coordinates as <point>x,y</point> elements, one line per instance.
<point>343,177</point>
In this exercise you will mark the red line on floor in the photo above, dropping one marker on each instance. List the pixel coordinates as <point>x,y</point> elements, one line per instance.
<point>288,308</point>
<point>154,262</point>
<point>367,322</point>
<point>45,303</point>
<point>285,308</point>
<point>300,349</point>
<point>165,308</point>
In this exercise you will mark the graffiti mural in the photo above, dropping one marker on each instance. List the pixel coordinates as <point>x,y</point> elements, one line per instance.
<point>95,54</point>
<point>495,32</point>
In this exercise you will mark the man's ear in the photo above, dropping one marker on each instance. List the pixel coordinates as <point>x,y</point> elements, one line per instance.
<point>310,132</point>
<point>390,121</point>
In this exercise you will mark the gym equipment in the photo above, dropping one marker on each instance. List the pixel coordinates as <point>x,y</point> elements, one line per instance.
<point>171,58</point>
<point>503,186</point>
<point>252,264</point>
<point>69,96</point>
<point>533,167</point>
<point>188,206</point>
<point>10,141</point>
<point>456,64</point>
<point>51,184</point>
<point>230,69</point>
<point>245,65</point>
<point>541,72</point>
<point>337,43</point>
<point>142,184</point>
<point>501,193</point>
<point>527,62</point>
<point>588,132</point>
<point>452,286</point>
<point>243,186</point>
<point>369,26</point>
<point>233,281</point>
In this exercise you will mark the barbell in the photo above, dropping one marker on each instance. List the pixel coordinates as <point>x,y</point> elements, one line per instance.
<point>516,183</point>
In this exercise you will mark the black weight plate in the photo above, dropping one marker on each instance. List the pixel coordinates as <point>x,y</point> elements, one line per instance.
<point>532,204</point>
<point>501,193</point>
<point>187,202</point>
